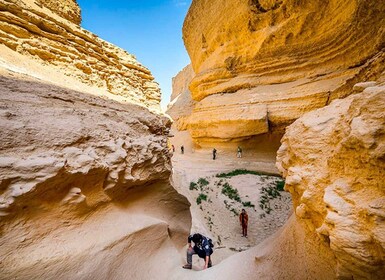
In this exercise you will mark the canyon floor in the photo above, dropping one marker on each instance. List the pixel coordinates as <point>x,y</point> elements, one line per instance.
<point>197,176</point>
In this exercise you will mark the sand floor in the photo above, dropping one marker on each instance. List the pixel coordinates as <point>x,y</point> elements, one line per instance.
<point>217,216</point>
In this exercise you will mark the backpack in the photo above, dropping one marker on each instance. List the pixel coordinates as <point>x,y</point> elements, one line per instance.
<point>210,242</point>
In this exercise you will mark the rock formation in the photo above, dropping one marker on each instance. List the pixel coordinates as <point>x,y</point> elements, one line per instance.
<point>260,65</point>
<point>334,163</point>
<point>84,186</point>
<point>48,31</point>
<point>84,179</point>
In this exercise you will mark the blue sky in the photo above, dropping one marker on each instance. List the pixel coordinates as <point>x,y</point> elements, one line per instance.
<point>149,29</point>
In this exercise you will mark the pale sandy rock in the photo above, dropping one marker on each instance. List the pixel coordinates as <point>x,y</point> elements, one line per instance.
<point>361,86</point>
<point>283,58</point>
<point>333,160</point>
<point>85,189</point>
<point>40,30</point>
<point>181,103</point>
<point>181,81</point>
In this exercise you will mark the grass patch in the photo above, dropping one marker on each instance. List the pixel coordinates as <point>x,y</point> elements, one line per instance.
<point>201,197</point>
<point>193,186</point>
<point>237,172</point>
<point>230,192</point>
<point>280,185</point>
<point>248,204</point>
<point>203,182</point>
<point>269,193</point>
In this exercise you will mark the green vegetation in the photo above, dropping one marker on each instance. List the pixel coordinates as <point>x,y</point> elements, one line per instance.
<point>193,186</point>
<point>248,204</point>
<point>236,213</point>
<point>230,192</point>
<point>281,185</point>
<point>269,193</point>
<point>203,182</point>
<point>242,172</point>
<point>201,197</point>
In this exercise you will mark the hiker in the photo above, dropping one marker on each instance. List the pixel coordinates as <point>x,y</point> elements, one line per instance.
<point>214,154</point>
<point>239,152</point>
<point>173,148</point>
<point>182,150</point>
<point>203,247</point>
<point>244,219</point>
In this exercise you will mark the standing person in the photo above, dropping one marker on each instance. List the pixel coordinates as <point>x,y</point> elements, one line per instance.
<point>182,150</point>
<point>239,152</point>
<point>214,154</point>
<point>173,148</point>
<point>203,247</point>
<point>244,220</point>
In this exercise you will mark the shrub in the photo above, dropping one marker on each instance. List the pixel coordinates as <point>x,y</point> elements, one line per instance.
<point>200,198</point>
<point>242,172</point>
<point>247,204</point>
<point>230,192</point>
<point>203,182</point>
<point>193,186</point>
<point>234,211</point>
<point>280,185</point>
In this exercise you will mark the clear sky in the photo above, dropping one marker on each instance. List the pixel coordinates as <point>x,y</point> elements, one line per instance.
<point>149,29</point>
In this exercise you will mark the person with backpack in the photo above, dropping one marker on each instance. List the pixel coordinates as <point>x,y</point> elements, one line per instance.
<point>203,247</point>
<point>244,220</point>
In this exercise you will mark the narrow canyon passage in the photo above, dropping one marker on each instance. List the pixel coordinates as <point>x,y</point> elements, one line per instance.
<point>218,215</point>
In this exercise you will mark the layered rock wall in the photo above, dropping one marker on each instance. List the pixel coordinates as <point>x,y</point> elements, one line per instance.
<point>68,9</point>
<point>334,163</point>
<point>48,32</point>
<point>260,65</point>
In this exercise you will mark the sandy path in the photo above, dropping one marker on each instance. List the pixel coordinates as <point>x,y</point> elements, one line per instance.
<point>216,220</point>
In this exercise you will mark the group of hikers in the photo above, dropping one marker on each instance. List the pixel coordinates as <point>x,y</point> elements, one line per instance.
<point>203,246</point>
<point>214,152</point>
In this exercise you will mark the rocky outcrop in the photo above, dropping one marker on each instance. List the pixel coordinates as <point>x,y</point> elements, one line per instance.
<point>84,186</point>
<point>181,82</point>
<point>260,65</point>
<point>181,104</point>
<point>47,31</point>
<point>334,163</point>
<point>67,9</point>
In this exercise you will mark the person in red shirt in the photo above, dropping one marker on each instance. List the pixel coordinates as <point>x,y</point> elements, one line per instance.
<point>244,220</point>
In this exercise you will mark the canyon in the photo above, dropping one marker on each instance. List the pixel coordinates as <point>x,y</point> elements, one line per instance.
<point>91,189</point>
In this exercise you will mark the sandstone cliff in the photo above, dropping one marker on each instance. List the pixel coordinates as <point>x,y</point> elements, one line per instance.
<point>334,163</point>
<point>260,65</point>
<point>84,174</point>
<point>48,32</point>
<point>84,186</point>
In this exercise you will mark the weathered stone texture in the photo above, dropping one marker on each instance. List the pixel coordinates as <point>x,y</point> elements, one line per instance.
<point>31,30</point>
<point>334,163</point>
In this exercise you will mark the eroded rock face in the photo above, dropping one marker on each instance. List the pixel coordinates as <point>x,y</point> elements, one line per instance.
<point>30,29</point>
<point>334,163</point>
<point>84,186</point>
<point>68,9</point>
<point>260,65</point>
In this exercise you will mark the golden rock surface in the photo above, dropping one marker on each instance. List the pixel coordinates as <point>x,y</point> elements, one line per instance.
<point>48,32</point>
<point>276,60</point>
